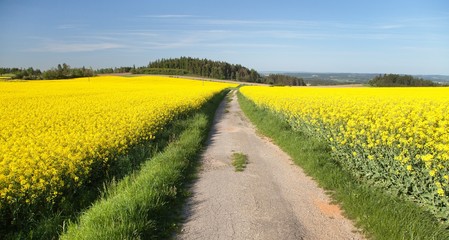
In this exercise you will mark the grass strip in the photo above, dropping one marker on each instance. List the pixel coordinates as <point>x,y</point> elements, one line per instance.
<point>147,204</point>
<point>380,215</point>
<point>50,223</point>
<point>239,161</point>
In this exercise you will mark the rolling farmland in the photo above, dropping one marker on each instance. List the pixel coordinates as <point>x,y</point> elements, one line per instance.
<point>56,136</point>
<point>395,138</point>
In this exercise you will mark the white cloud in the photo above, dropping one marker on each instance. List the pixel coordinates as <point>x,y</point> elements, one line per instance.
<point>75,47</point>
<point>391,26</point>
<point>70,26</point>
<point>169,16</point>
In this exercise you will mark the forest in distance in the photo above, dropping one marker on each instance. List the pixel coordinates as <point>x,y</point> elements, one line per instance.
<point>331,78</point>
<point>188,66</point>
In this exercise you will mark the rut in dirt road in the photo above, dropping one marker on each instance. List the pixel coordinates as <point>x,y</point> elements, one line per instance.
<point>270,199</point>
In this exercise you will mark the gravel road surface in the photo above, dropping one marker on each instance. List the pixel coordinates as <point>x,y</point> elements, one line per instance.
<point>271,199</point>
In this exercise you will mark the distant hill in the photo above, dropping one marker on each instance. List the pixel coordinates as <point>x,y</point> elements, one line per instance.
<point>396,80</point>
<point>444,79</point>
<point>314,78</point>
<point>215,69</point>
<point>201,67</point>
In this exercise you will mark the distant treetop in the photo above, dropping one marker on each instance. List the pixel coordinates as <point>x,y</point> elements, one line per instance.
<point>204,68</point>
<point>173,66</point>
<point>396,80</point>
<point>62,71</point>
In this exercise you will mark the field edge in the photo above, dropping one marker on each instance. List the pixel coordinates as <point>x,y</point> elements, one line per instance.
<point>378,214</point>
<point>148,204</point>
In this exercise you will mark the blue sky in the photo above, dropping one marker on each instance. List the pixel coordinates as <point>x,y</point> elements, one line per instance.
<point>384,36</point>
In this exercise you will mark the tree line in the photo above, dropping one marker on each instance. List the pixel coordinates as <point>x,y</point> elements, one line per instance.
<point>215,69</point>
<point>115,70</point>
<point>283,80</point>
<point>396,80</point>
<point>63,71</point>
<point>172,66</point>
<point>204,68</point>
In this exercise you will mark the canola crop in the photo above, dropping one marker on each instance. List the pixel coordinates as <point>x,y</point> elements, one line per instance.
<point>54,133</point>
<point>395,138</point>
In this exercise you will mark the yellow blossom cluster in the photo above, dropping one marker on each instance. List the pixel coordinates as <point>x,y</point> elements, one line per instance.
<point>395,137</point>
<point>52,132</point>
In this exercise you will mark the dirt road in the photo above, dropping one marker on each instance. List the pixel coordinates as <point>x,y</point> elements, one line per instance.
<point>270,199</point>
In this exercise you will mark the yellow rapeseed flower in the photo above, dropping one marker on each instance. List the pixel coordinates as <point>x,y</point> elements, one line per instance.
<point>405,129</point>
<point>52,132</point>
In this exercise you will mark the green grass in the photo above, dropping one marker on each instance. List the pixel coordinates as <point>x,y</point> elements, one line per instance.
<point>239,161</point>
<point>7,75</point>
<point>229,98</point>
<point>47,222</point>
<point>379,214</point>
<point>148,203</point>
